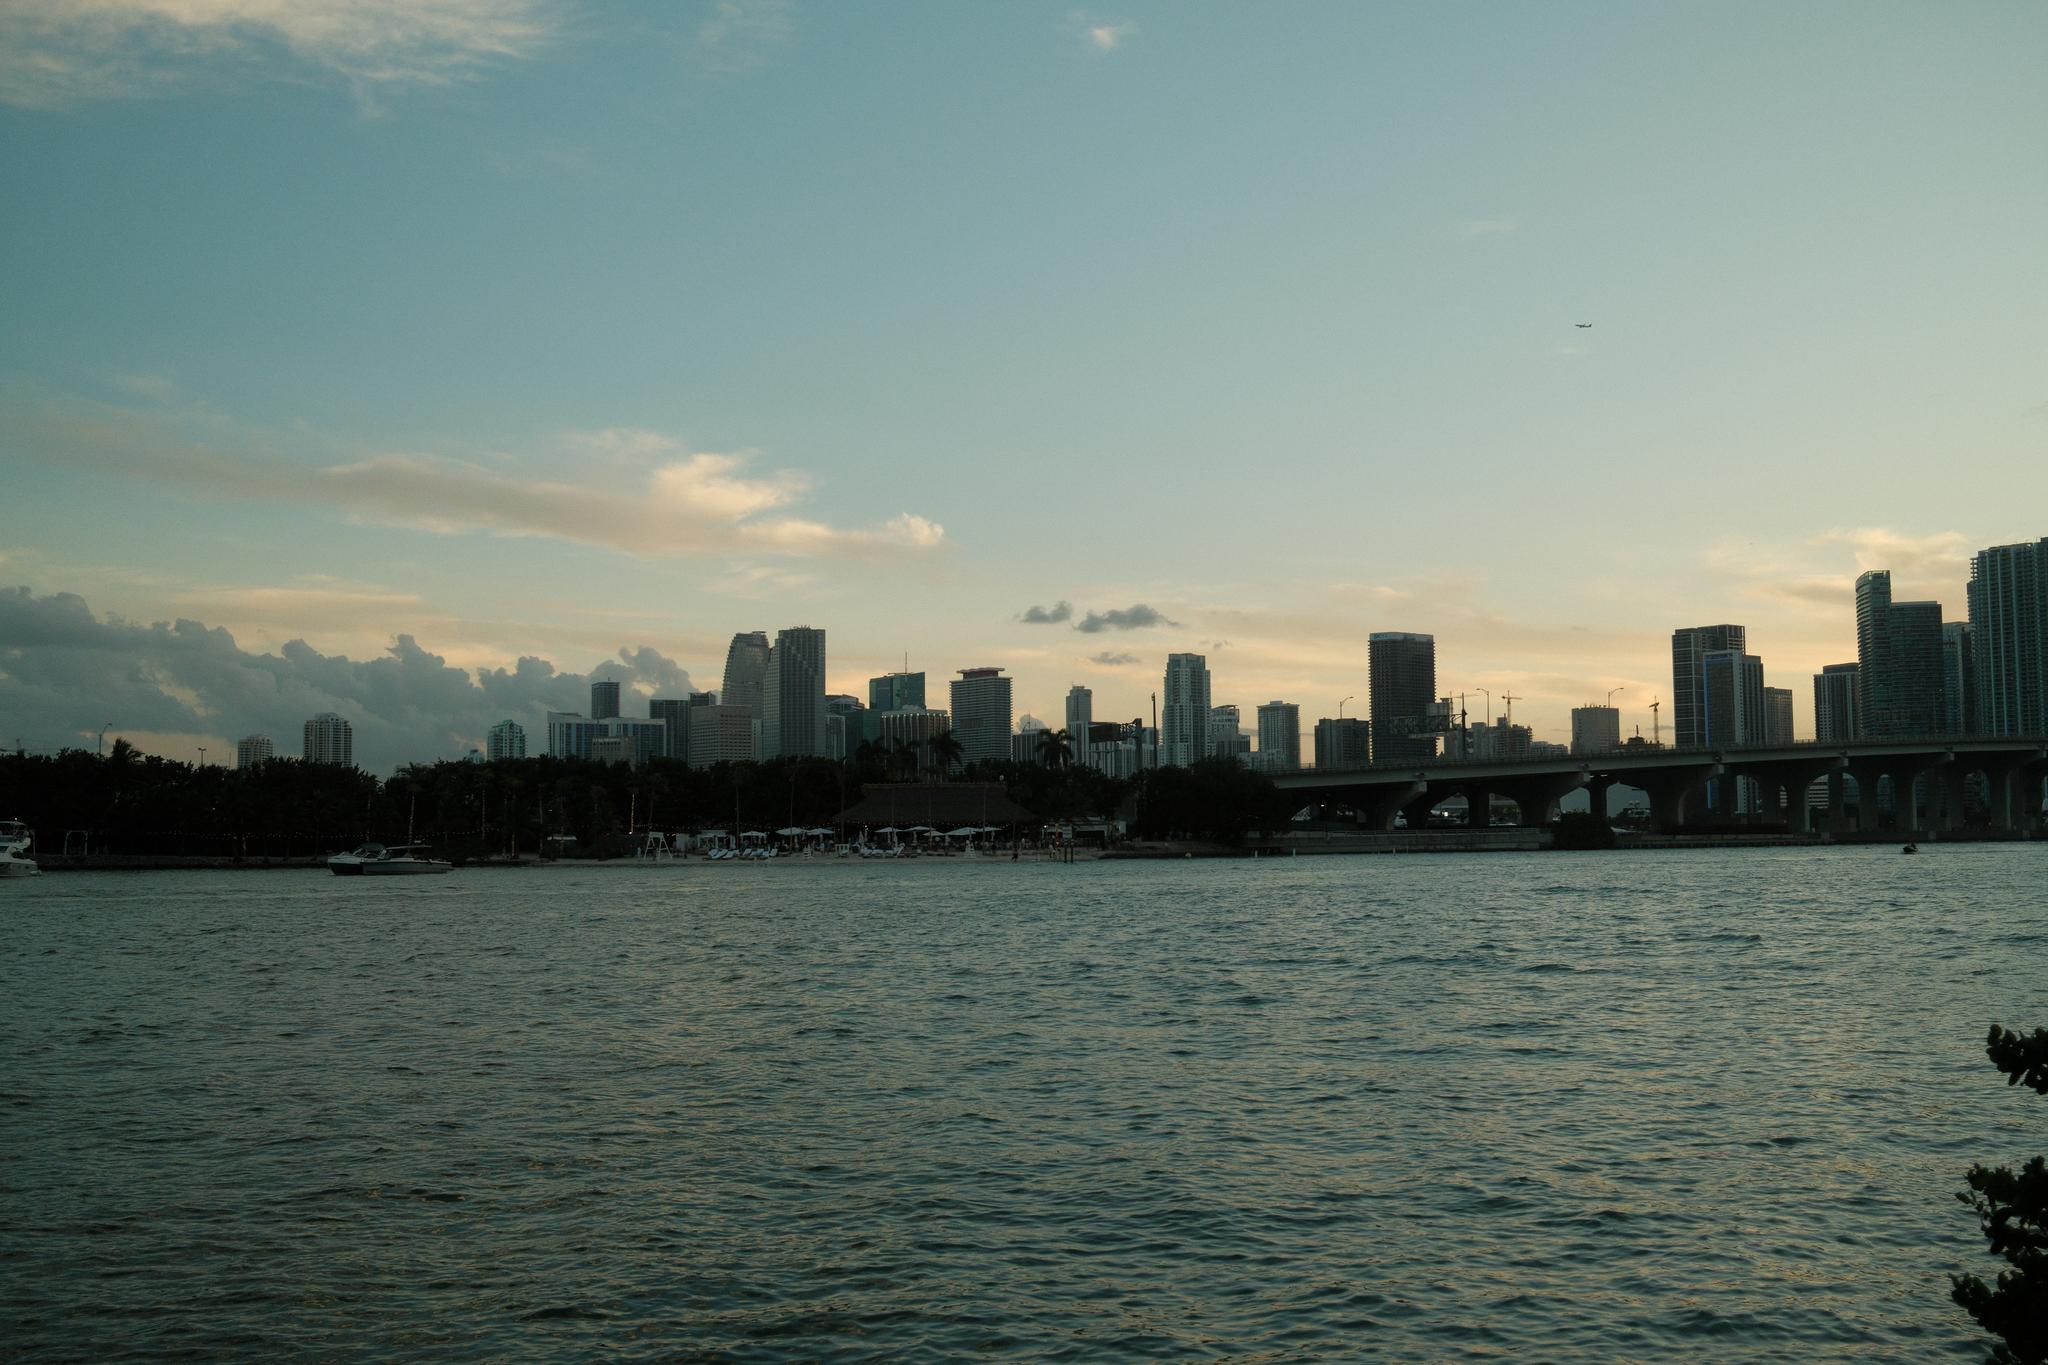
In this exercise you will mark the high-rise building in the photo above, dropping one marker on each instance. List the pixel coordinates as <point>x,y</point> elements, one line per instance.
<point>1734,715</point>
<point>896,691</point>
<point>624,739</point>
<point>1497,740</point>
<point>675,714</point>
<point>1777,715</point>
<point>793,695</point>
<point>1184,710</point>
<point>982,714</point>
<point>1401,679</point>
<point>1080,716</point>
<point>1958,678</point>
<point>1595,729</point>
<point>746,670</point>
<point>1280,737</point>
<point>1227,737</point>
<point>604,698</point>
<point>1122,750</point>
<point>1837,703</point>
<point>1898,645</point>
<point>906,735</point>
<point>1690,647</point>
<point>251,750</point>
<point>844,730</point>
<point>329,739</point>
<point>2009,635</point>
<point>720,733</point>
<point>507,740</point>
<point>1342,743</point>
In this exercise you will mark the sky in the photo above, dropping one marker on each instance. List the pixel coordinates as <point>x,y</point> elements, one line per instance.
<point>420,359</point>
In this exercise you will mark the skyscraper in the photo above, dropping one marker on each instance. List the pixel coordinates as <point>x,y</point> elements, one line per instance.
<point>1080,716</point>
<point>1837,703</point>
<point>1227,738</point>
<point>1898,645</point>
<point>1280,737</point>
<point>746,670</point>
<point>982,714</point>
<point>251,750</point>
<point>1595,729</point>
<point>2009,633</point>
<point>896,692</point>
<point>1777,715</point>
<point>1342,743</point>
<point>329,739</point>
<point>675,715</point>
<point>604,698</point>
<point>507,740</point>
<point>1690,647</point>
<point>1734,714</point>
<point>1184,710</point>
<point>793,695</point>
<point>1401,681</point>
<point>1959,678</point>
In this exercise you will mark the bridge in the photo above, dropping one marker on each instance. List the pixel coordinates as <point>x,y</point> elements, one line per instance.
<point>1677,781</point>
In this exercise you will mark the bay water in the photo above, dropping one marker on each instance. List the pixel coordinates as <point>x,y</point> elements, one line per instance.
<point>1622,1106</point>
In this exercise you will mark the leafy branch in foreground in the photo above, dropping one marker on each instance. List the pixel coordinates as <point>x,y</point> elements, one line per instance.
<point>2012,1209</point>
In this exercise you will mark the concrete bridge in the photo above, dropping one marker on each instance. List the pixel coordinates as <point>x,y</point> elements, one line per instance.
<point>1676,781</point>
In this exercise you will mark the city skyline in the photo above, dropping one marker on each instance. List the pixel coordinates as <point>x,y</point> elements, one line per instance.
<point>590,336</point>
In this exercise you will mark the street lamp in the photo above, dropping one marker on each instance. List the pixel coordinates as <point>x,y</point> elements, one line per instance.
<point>202,755</point>
<point>1610,694</point>
<point>1340,705</point>
<point>103,738</point>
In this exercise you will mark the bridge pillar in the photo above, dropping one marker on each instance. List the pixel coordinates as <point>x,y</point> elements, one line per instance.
<point>1538,796</point>
<point>1954,780</point>
<point>1378,810</point>
<point>2004,782</point>
<point>1478,806</point>
<point>1416,811</point>
<point>1783,788</point>
<point>1671,792</point>
<point>1867,776</point>
<point>1596,792</point>
<point>1838,800</point>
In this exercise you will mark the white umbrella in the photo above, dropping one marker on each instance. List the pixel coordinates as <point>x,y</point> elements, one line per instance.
<point>919,829</point>
<point>791,831</point>
<point>888,829</point>
<point>964,832</point>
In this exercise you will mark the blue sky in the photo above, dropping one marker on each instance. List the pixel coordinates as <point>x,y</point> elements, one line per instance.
<point>549,329</point>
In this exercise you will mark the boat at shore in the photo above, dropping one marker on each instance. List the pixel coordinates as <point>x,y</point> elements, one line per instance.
<point>15,839</point>
<point>388,860</point>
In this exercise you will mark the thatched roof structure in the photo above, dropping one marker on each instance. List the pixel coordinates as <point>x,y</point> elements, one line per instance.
<point>942,805</point>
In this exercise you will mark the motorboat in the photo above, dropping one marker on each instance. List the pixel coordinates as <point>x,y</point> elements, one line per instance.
<point>388,860</point>
<point>15,839</point>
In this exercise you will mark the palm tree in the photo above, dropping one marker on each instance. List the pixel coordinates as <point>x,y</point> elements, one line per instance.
<point>945,751</point>
<point>1055,747</point>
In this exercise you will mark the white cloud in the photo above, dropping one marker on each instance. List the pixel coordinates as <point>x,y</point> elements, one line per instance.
<point>650,495</point>
<point>1880,547</point>
<point>1101,36</point>
<point>60,52</point>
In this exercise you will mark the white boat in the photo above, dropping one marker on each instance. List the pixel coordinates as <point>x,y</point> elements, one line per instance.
<point>15,838</point>
<point>388,860</point>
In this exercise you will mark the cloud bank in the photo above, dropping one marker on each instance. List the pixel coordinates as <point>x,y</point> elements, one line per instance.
<point>65,671</point>
<point>55,53</point>
<point>1136,617</point>
<point>1047,616</point>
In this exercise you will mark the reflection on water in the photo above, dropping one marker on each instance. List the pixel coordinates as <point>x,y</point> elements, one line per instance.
<point>1686,1105</point>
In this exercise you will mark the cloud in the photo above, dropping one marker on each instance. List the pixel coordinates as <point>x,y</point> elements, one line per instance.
<point>650,495</point>
<point>65,671</point>
<point>1136,617</point>
<point>55,53</point>
<point>1101,36</point>
<point>1880,547</point>
<point>1472,228</point>
<point>1109,659</point>
<point>1046,616</point>
<point>735,36</point>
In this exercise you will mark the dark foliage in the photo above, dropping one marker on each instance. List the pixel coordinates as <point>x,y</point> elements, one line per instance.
<point>1581,829</point>
<point>1217,799</point>
<point>2012,1209</point>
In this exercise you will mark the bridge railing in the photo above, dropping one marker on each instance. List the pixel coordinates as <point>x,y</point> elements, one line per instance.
<point>1711,752</point>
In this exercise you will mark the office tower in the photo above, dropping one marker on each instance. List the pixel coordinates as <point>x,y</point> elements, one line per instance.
<point>1027,745</point>
<point>570,734</point>
<point>1898,645</point>
<point>896,691</point>
<point>329,739</point>
<point>843,725</point>
<point>1689,650</point>
<point>1958,678</point>
<point>905,735</point>
<point>720,734</point>
<point>982,715</point>
<point>1227,737</point>
<point>1122,750</point>
<point>746,670</point>
<point>1499,740</point>
<point>1280,737</point>
<point>1342,743</point>
<point>604,698</point>
<point>1402,683</point>
<point>1777,715</point>
<point>2009,636</point>
<point>251,750</point>
<point>1595,729</point>
<point>1080,716</point>
<point>507,740</point>
<point>1733,716</point>
<point>1837,703</point>
<point>614,739</point>
<point>675,714</point>
<point>1184,710</point>
<point>793,695</point>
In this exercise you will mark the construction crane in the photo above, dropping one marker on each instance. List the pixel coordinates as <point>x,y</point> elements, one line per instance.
<point>1656,734</point>
<point>1507,716</point>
